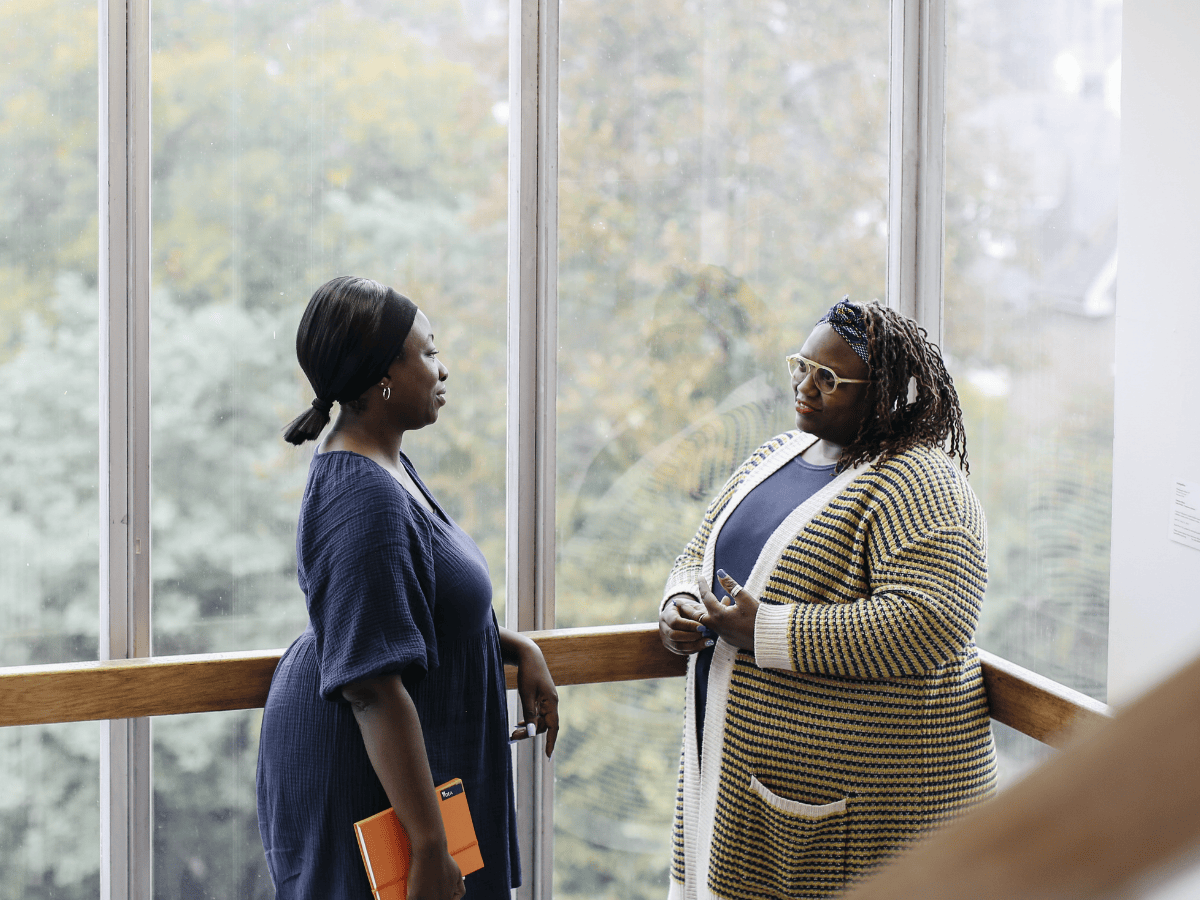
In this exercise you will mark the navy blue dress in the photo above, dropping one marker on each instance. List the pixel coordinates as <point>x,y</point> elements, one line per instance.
<point>391,588</point>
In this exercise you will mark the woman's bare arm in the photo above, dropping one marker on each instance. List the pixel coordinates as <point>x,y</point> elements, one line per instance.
<point>396,747</point>
<point>535,686</point>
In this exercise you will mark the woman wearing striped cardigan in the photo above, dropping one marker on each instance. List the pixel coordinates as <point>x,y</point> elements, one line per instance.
<point>835,706</point>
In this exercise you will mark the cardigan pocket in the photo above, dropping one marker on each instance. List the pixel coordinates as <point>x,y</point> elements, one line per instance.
<point>778,847</point>
<point>795,807</point>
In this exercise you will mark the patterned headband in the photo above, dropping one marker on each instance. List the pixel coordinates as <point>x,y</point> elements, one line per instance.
<point>851,325</point>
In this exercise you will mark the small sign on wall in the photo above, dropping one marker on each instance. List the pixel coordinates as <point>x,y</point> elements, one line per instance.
<point>1185,514</point>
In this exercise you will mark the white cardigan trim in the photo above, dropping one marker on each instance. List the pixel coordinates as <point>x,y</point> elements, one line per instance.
<point>702,777</point>
<point>719,672</point>
<point>772,643</point>
<point>691,780</point>
<point>795,807</point>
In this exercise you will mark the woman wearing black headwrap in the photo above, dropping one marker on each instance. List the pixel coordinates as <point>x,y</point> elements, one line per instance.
<point>835,705</point>
<point>397,684</point>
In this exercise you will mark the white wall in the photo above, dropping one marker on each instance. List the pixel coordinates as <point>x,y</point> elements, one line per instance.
<point>1155,601</point>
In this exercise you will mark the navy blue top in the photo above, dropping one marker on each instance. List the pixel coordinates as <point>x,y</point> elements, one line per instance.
<point>743,537</point>
<point>391,588</point>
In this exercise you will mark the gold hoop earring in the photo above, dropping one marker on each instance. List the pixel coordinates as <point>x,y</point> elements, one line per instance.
<point>387,392</point>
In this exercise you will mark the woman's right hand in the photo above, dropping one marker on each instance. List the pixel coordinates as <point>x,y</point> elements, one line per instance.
<point>434,875</point>
<point>391,731</point>
<point>679,628</point>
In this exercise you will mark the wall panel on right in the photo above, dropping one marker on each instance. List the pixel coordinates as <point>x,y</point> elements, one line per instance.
<point>1154,616</point>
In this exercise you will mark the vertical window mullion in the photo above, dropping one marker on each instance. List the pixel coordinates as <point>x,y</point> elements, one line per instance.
<point>124,263</point>
<point>532,384</point>
<point>916,167</point>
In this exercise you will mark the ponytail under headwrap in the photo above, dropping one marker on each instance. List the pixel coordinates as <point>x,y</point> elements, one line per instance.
<point>349,335</point>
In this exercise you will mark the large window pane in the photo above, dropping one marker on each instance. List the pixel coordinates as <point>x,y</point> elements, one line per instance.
<point>612,822</point>
<point>49,447</point>
<point>1031,206</point>
<point>295,140</point>
<point>50,812</point>
<point>205,820</point>
<point>722,181</point>
<point>1030,289</point>
<point>49,352</point>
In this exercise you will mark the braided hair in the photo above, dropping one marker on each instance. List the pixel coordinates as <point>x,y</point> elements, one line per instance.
<point>900,353</point>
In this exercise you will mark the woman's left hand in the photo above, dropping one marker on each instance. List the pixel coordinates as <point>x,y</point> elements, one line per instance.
<point>734,623</point>
<point>539,698</point>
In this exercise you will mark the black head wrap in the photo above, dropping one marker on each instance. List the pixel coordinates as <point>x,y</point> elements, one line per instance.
<point>362,354</point>
<point>351,331</point>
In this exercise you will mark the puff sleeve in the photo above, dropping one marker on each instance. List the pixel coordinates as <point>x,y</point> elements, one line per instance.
<point>366,568</point>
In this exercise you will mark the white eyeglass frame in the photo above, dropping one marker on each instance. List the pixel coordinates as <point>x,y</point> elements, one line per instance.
<point>795,359</point>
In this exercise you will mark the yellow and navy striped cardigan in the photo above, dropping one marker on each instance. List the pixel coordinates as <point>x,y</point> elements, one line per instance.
<point>860,719</point>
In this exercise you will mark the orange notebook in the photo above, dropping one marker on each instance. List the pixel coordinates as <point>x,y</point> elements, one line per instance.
<point>386,852</point>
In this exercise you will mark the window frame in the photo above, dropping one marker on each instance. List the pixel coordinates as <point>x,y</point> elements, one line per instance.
<point>916,189</point>
<point>126,777</point>
<point>532,390</point>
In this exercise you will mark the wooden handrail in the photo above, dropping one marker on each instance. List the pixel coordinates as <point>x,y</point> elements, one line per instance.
<point>173,685</point>
<point>1035,705</point>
